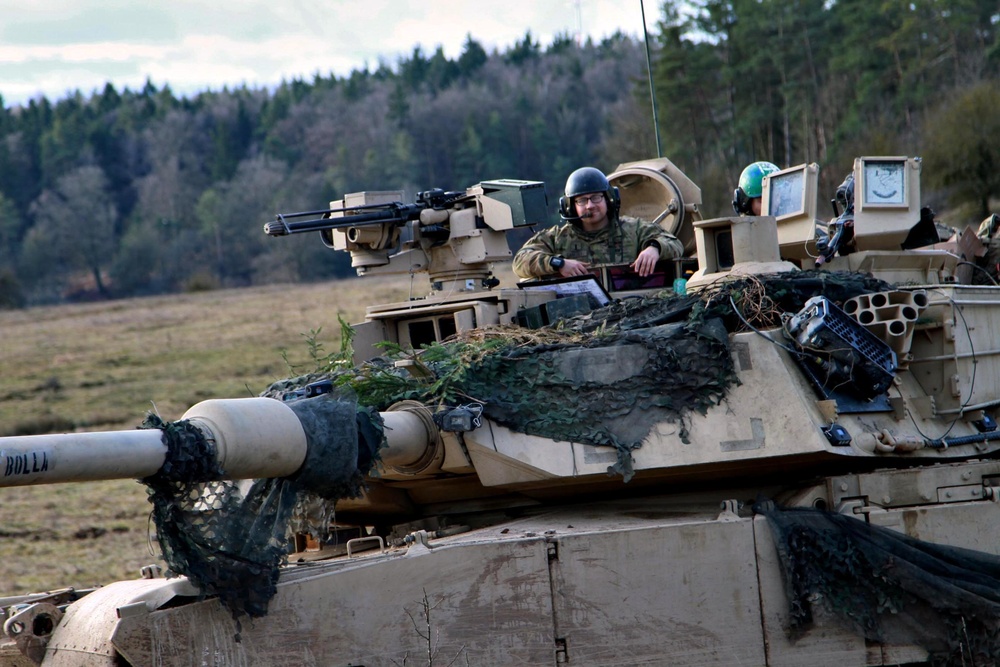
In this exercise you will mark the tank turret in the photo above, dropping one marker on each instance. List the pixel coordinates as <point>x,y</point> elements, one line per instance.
<point>595,471</point>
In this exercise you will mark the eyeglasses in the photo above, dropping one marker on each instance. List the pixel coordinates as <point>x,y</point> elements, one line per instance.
<point>593,199</point>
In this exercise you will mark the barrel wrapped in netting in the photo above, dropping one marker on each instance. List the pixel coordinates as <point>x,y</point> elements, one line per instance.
<point>230,538</point>
<point>887,586</point>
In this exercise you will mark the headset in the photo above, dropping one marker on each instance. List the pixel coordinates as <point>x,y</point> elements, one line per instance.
<point>741,203</point>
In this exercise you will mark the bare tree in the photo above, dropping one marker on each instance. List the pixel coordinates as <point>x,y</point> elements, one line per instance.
<point>76,221</point>
<point>232,216</point>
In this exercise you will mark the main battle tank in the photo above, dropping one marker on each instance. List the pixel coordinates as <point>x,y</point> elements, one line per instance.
<point>779,450</point>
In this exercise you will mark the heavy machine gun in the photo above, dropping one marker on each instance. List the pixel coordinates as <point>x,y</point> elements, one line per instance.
<point>453,236</point>
<point>394,214</point>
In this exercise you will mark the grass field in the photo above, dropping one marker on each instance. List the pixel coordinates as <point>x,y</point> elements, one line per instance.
<point>103,366</point>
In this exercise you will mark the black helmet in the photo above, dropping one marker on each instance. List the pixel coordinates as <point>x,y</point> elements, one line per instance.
<point>584,181</point>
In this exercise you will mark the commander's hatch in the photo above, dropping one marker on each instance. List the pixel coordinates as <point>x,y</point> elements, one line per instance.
<point>657,191</point>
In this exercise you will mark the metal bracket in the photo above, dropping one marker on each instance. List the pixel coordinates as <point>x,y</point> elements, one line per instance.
<point>960,494</point>
<point>153,571</point>
<point>31,629</point>
<point>359,540</point>
<point>730,511</point>
<point>418,540</point>
<point>853,506</point>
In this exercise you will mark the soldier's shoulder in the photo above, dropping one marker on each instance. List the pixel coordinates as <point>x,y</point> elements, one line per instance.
<point>637,223</point>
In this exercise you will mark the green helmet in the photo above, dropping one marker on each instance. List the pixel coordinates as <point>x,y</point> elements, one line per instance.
<point>752,178</point>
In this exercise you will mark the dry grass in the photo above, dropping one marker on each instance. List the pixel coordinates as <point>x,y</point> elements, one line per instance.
<point>102,366</point>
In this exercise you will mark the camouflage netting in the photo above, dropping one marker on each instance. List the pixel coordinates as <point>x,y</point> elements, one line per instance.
<point>625,367</point>
<point>622,384</point>
<point>540,383</point>
<point>759,299</point>
<point>889,587</point>
<point>230,538</point>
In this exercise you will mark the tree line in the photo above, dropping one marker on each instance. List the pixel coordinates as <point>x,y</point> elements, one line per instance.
<point>794,81</point>
<point>140,192</point>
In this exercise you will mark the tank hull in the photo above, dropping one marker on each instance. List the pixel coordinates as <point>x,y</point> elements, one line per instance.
<point>689,580</point>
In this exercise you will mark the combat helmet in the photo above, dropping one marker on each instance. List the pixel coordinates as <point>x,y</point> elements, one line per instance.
<point>585,180</point>
<point>751,185</point>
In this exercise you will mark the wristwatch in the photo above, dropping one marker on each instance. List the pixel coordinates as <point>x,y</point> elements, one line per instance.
<point>557,262</point>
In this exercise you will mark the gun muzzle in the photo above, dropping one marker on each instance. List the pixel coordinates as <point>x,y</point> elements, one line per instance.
<point>276,228</point>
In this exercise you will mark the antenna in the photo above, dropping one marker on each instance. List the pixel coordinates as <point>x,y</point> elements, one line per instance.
<point>652,92</point>
<point>579,24</point>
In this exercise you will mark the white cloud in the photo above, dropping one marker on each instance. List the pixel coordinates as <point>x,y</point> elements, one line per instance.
<point>51,47</point>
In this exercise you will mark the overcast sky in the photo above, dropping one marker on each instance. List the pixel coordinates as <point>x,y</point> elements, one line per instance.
<point>52,47</point>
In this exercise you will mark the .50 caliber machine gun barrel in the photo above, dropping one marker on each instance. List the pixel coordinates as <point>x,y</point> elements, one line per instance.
<point>397,212</point>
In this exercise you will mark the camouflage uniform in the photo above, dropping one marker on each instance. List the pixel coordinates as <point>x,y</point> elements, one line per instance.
<point>618,243</point>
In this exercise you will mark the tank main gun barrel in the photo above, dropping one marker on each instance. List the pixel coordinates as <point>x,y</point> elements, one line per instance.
<point>253,438</point>
<point>80,457</point>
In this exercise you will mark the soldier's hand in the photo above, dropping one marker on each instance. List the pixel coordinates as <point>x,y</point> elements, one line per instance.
<point>573,267</point>
<point>645,263</point>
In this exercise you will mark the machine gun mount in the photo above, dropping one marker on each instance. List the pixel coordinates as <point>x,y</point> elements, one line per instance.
<point>453,236</point>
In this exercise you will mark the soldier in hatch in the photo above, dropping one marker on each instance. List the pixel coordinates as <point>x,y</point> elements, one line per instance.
<point>747,198</point>
<point>594,233</point>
